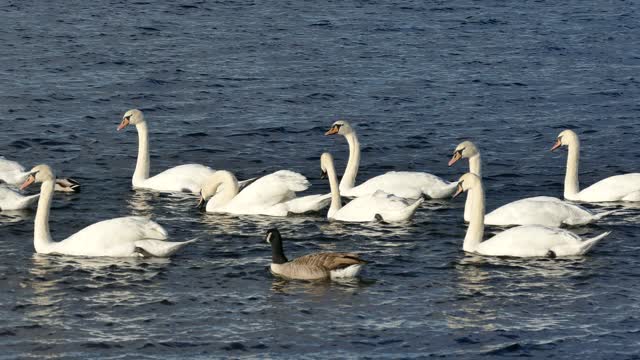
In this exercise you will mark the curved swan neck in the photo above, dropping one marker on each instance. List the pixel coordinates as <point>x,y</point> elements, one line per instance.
<point>475,232</point>
<point>349,177</point>
<point>41,235</point>
<point>571,182</point>
<point>229,183</point>
<point>336,201</point>
<point>142,165</point>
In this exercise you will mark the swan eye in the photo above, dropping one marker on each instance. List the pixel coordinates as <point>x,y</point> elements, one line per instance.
<point>128,117</point>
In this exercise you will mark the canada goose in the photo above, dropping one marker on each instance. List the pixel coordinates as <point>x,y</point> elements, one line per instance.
<point>313,266</point>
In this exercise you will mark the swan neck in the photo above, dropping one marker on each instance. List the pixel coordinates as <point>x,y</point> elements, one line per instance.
<point>230,187</point>
<point>41,234</point>
<point>336,201</point>
<point>571,182</point>
<point>475,231</point>
<point>142,165</point>
<point>475,165</point>
<point>349,177</point>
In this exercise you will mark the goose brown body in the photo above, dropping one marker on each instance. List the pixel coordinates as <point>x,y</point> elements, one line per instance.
<point>325,265</point>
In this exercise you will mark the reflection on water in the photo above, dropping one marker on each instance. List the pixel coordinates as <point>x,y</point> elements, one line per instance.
<point>487,286</point>
<point>15,216</point>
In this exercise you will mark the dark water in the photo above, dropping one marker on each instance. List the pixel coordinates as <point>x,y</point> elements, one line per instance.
<point>251,87</point>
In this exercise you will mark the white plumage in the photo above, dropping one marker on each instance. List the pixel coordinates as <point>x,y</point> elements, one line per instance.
<point>273,194</point>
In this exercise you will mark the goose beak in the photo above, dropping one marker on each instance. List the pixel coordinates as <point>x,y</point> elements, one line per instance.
<point>201,203</point>
<point>556,145</point>
<point>123,124</point>
<point>458,192</point>
<point>28,182</point>
<point>456,156</point>
<point>333,130</point>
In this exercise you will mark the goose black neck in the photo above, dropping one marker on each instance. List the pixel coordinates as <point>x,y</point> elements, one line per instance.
<point>277,254</point>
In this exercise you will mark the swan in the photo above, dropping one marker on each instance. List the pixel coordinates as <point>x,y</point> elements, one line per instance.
<point>273,194</point>
<point>520,241</point>
<point>316,266</point>
<point>119,237</point>
<point>12,200</point>
<point>377,206</point>
<point>405,184</point>
<point>183,178</point>
<point>540,210</point>
<point>615,188</point>
<point>13,173</point>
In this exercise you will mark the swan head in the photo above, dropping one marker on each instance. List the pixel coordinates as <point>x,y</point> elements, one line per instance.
<point>38,174</point>
<point>131,117</point>
<point>326,161</point>
<point>340,127</point>
<point>466,182</point>
<point>465,149</point>
<point>565,138</point>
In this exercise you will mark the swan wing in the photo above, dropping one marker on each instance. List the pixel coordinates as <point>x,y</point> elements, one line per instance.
<point>12,200</point>
<point>11,172</point>
<point>531,241</point>
<point>366,208</point>
<point>540,210</point>
<point>183,178</point>
<point>270,190</point>
<point>614,188</point>
<point>113,237</point>
<point>405,184</point>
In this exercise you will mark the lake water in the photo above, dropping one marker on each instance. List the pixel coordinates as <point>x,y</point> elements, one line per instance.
<point>251,87</point>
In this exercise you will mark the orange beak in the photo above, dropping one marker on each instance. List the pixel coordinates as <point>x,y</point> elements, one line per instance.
<point>458,192</point>
<point>28,182</point>
<point>456,156</point>
<point>333,130</point>
<point>123,124</point>
<point>556,145</point>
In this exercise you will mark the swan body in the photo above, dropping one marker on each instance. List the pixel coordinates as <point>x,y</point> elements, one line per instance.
<point>539,210</point>
<point>13,173</point>
<point>12,200</point>
<point>521,241</point>
<point>184,178</point>
<point>376,206</point>
<point>317,266</point>
<point>405,184</point>
<point>615,188</point>
<point>119,237</point>
<point>273,195</point>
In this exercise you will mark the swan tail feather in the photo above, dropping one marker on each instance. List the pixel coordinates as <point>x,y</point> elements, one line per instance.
<point>599,216</point>
<point>588,244</point>
<point>308,203</point>
<point>158,248</point>
<point>403,214</point>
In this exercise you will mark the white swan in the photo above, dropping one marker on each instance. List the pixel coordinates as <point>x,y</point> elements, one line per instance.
<point>377,206</point>
<point>540,210</point>
<point>615,188</point>
<point>13,173</point>
<point>12,200</point>
<point>119,237</point>
<point>183,178</point>
<point>521,241</point>
<point>273,194</point>
<point>405,184</point>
